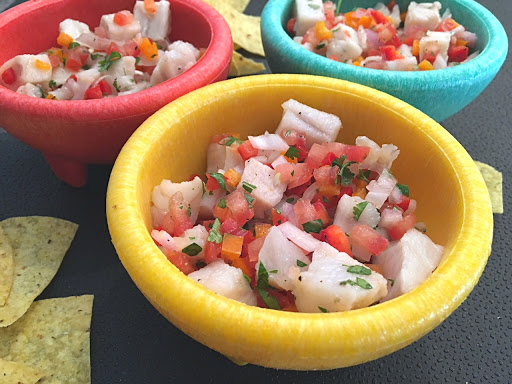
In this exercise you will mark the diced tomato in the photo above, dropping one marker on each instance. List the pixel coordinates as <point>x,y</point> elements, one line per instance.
<point>239,207</point>
<point>212,251</point>
<point>254,249</point>
<point>398,230</point>
<point>404,203</point>
<point>356,153</point>
<point>291,25</point>
<point>93,93</point>
<point>303,151</point>
<point>294,174</point>
<point>73,64</point>
<point>369,239</point>
<point>310,37</point>
<point>211,183</point>
<point>394,41</point>
<point>105,88</point>
<point>321,213</point>
<point>373,52</point>
<point>458,53</point>
<point>293,137</point>
<point>388,52</point>
<point>328,159</point>
<point>326,201</point>
<point>277,218</point>
<point>298,191</point>
<point>336,237</point>
<point>181,261</point>
<point>113,47</point>
<point>54,60</point>
<point>326,175</point>
<point>177,220</point>
<point>246,150</point>
<point>123,18</point>
<point>131,48</point>
<point>320,154</point>
<point>229,225</point>
<point>345,191</point>
<point>9,76</point>
<point>379,17</point>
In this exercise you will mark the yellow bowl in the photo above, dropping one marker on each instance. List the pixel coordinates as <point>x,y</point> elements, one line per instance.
<point>452,201</point>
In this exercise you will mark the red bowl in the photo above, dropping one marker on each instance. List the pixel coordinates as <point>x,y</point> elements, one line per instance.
<point>72,134</point>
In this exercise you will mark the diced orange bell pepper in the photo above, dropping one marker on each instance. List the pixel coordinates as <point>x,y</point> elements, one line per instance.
<point>376,268</point>
<point>322,32</point>
<point>425,66</point>
<point>241,264</point>
<point>149,6</point>
<point>329,190</point>
<point>43,65</point>
<point>232,177</point>
<point>461,42</point>
<point>64,40</point>
<point>148,48</point>
<point>261,230</point>
<point>416,48</point>
<point>231,247</point>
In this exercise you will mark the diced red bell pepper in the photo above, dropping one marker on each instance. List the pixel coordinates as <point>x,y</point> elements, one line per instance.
<point>181,261</point>
<point>278,218</point>
<point>398,230</point>
<point>105,88</point>
<point>379,17</point>
<point>291,24</point>
<point>211,183</point>
<point>388,52</point>
<point>9,76</point>
<point>458,53</point>
<point>369,239</point>
<point>336,237</point>
<point>246,150</point>
<point>212,251</point>
<point>404,203</point>
<point>73,64</point>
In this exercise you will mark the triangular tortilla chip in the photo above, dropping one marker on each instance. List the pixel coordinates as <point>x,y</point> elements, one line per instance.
<point>6,267</point>
<point>53,337</point>
<point>12,372</point>
<point>39,245</point>
<point>494,181</point>
<point>241,66</point>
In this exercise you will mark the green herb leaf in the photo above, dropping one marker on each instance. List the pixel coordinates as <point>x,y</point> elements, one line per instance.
<point>323,309</point>
<point>85,67</point>
<point>404,189</point>
<point>325,200</point>
<point>118,89</point>
<point>192,249</point>
<point>248,279</point>
<point>107,62</point>
<point>359,282</point>
<point>287,133</point>
<point>248,187</point>
<point>364,175</point>
<point>72,45</point>
<point>159,46</point>
<point>189,210</point>
<point>215,236</point>
<point>270,301</point>
<point>345,176</point>
<point>391,281</point>
<point>220,179</point>
<point>200,264</point>
<point>137,60</point>
<point>301,263</point>
<point>52,84</point>
<point>359,269</point>
<point>222,203</point>
<point>43,93</point>
<point>320,46</point>
<point>94,56</point>
<point>314,6</point>
<point>314,226</point>
<point>231,140</point>
<point>358,209</point>
<point>262,277</point>
<point>273,271</point>
<point>290,200</point>
<point>292,153</point>
<point>249,199</point>
<point>338,7</point>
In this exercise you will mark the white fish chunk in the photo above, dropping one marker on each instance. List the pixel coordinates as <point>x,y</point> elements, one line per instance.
<point>327,283</point>
<point>155,26</point>
<point>118,32</point>
<point>379,157</point>
<point>24,66</point>
<point>83,81</point>
<point>344,216</point>
<point>73,28</point>
<point>177,59</point>
<point>308,13</point>
<point>380,189</point>
<point>125,66</point>
<point>282,256</point>
<point>225,280</point>
<point>424,15</point>
<point>442,39</point>
<point>269,191</point>
<point>409,261</point>
<point>197,235</point>
<point>30,89</point>
<point>318,127</point>
<point>191,190</point>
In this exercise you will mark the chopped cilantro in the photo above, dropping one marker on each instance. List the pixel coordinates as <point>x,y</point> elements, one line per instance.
<point>391,281</point>
<point>52,84</point>
<point>404,189</point>
<point>358,209</point>
<point>248,279</point>
<point>220,179</point>
<point>85,67</point>
<point>292,153</point>
<point>118,89</point>
<point>192,249</point>
<point>273,271</point>
<point>322,309</point>
<point>301,263</point>
<point>231,140</point>
<point>293,172</point>
<point>94,56</point>
<point>222,203</point>
<point>338,7</point>
<point>270,301</point>
<point>262,285</point>
<point>249,199</point>
<point>345,176</point>
<point>320,46</point>
<point>43,93</point>
<point>137,60</point>
<point>290,200</point>
<point>72,45</point>
<point>248,187</point>
<point>107,62</point>
<point>359,282</point>
<point>359,269</point>
<point>215,236</point>
<point>325,200</point>
<point>159,46</point>
<point>313,6</point>
<point>314,226</point>
<point>189,210</point>
<point>364,175</point>
<point>200,264</point>
<point>287,133</point>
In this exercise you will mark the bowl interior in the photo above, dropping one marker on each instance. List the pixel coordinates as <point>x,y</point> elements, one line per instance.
<point>442,177</point>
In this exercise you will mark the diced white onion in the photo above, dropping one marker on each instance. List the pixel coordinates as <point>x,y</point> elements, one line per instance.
<point>268,141</point>
<point>164,239</point>
<point>300,238</point>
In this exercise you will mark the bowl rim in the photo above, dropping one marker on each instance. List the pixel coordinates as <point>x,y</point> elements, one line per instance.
<point>426,306</point>
<point>493,54</point>
<point>213,62</point>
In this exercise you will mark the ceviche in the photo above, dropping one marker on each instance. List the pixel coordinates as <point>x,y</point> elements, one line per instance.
<point>383,37</point>
<point>294,220</point>
<point>126,53</point>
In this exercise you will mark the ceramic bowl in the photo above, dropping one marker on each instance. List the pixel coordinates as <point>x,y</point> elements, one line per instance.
<point>438,93</point>
<point>72,134</point>
<point>452,200</point>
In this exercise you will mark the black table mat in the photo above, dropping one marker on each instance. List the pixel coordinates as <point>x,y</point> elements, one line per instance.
<point>132,343</point>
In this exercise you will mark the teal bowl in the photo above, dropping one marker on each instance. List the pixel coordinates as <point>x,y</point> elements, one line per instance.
<point>438,93</point>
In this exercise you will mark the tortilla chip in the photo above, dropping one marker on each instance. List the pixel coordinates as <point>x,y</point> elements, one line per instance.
<point>39,245</point>
<point>239,5</point>
<point>241,66</point>
<point>245,29</point>
<point>12,372</point>
<point>6,267</point>
<point>494,181</point>
<point>53,337</point>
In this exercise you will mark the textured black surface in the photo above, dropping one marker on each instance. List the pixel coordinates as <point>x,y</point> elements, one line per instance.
<point>132,343</point>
